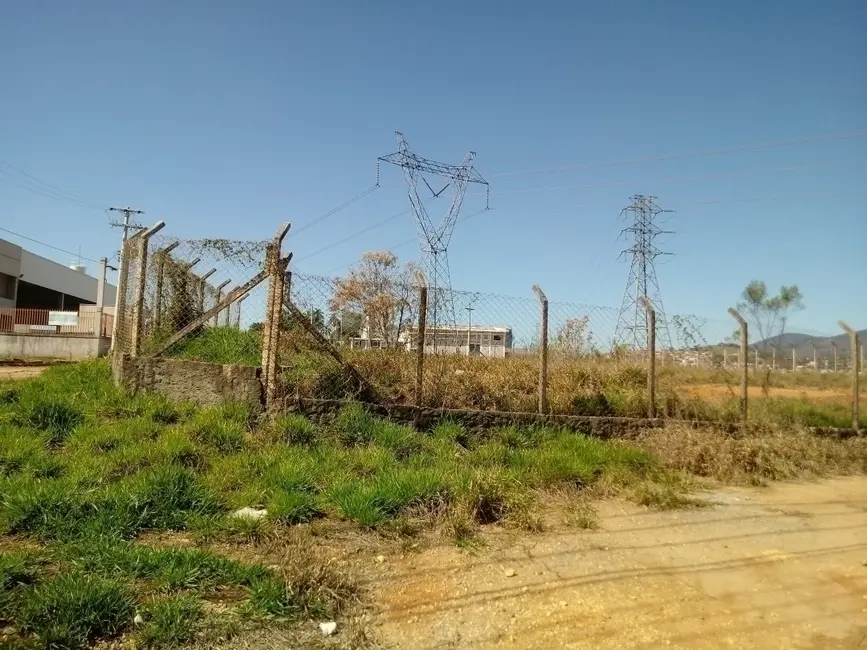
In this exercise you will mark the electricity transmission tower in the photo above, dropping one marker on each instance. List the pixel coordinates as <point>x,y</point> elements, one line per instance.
<point>435,238</point>
<point>632,322</point>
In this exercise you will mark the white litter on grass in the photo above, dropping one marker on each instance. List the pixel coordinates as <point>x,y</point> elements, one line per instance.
<point>138,620</point>
<point>328,629</point>
<point>250,513</point>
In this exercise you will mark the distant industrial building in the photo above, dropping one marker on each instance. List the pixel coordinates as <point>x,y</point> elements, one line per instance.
<point>29,281</point>
<point>475,341</point>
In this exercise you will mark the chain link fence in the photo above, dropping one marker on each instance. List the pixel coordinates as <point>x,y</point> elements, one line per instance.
<point>176,298</point>
<point>387,339</point>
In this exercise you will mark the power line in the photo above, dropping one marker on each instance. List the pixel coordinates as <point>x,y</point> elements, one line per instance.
<point>42,243</point>
<point>675,179</point>
<point>693,154</point>
<point>335,210</point>
<point>30,183</point>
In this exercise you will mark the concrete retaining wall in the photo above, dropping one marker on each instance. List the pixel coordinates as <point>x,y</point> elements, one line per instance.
<point>47,346</point>
<point>204,383</point>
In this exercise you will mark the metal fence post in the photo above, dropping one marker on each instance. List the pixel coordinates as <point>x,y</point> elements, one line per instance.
<point>853,348</point>
<point>422,338</point>
<point>543,350</point>
<point>651,351</point>
<point>743,360</point>
<point>140,284</point>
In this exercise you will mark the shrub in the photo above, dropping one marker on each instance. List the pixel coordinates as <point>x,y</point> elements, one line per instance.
<point>73,609</point>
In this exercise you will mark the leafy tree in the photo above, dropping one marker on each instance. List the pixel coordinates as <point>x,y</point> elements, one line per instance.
<point>380,289</point>
<point>345,324</point>
<point>571,336</point>
<point>769,314</point>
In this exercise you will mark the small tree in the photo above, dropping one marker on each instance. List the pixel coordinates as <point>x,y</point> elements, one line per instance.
<point>380,289</point>
<point>769,314</point>
<point>571,337</point>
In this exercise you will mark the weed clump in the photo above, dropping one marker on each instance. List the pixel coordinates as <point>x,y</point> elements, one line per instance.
<point>171,622</point>
<point>73,609</point>
<point>56,418</point>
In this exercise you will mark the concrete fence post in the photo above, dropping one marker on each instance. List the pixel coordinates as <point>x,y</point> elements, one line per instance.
<point>743,360</point>
<point>853,348</point>
<point>543,349</point>
<point>160,257</point>
<point>651,351</point>
<point>203,285</point>
<point>120,322</point>
<point>794,363</point>
<point>218,290</point>
<point>276,268</point>
<point>140,285</point>
<point>773,356</point>
<point>238,315</point>
<point>422,339</point>
<point>834,346</point>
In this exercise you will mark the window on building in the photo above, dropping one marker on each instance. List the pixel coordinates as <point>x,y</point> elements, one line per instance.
<point>498,337</point>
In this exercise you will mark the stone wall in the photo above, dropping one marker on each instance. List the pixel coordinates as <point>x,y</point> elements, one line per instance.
<point>426,418</point>
<point>204,383</point>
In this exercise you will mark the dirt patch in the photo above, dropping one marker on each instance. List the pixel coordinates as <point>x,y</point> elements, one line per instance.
<point>779,567</point>
<point>720,392</point>
<point>17,373</point>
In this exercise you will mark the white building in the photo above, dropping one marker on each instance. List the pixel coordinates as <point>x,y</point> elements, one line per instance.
<point>477,341</point>
<point>31,282</point>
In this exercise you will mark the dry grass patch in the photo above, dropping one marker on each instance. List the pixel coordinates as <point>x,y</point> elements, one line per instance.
<point>769,453</point>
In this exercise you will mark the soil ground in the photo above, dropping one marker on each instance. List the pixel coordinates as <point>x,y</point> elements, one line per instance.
<point>720,392</point>
<point>20,372</point>
<point>777,567</point>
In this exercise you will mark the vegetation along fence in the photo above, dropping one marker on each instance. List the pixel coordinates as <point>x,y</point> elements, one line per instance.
<point>380,334</point>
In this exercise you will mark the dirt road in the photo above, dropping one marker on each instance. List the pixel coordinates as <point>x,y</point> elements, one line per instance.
<point>778,567</point>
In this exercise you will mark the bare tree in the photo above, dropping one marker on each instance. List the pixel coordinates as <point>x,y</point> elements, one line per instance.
<point>379,288</point>
<point>571,336</point>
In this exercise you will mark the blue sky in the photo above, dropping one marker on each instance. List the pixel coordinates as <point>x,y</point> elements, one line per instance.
<point>226,118</point>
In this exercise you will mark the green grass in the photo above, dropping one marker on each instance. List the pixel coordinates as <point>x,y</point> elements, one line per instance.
<point>72,609</point>
<point>89,474</point>
<point>171,622</point>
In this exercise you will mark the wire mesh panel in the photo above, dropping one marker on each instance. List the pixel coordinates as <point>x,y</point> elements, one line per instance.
<point>187,290</point>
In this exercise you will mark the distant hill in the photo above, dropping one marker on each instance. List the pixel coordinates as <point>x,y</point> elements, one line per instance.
<point>804,342</point>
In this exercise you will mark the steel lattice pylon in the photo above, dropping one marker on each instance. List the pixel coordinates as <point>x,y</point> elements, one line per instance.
<point>435,238</point>
<point>632,322</point>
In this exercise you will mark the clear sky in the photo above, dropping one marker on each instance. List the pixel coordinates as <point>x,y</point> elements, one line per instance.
<point>226,118</point>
